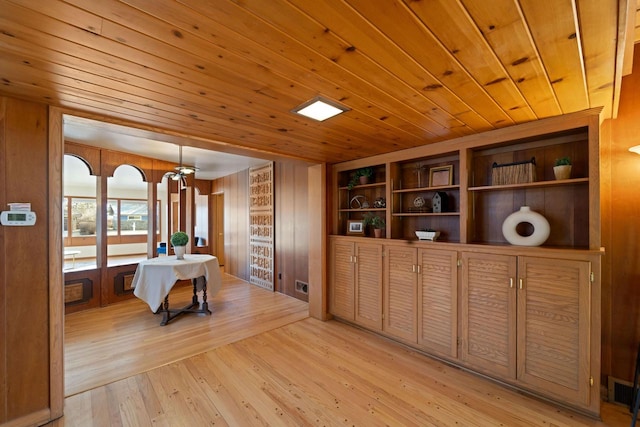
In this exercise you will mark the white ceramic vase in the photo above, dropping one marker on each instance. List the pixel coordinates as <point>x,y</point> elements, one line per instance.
<point>180,251</point>
<point>541,229</point>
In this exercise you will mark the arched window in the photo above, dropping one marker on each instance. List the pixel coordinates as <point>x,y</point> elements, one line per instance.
<point>79,210</point>
<point>127,215</point>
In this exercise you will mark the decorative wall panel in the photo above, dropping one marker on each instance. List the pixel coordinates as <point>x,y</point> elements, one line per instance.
<point>261,226</point>
<point>78,291</point>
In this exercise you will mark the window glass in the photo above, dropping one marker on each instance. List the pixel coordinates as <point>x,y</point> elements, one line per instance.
<point>65,216</point>
<point>134,218</point>
<point>158,217</point>
<point>112,217</point>
<point>77,182</point>
<point>83,217</point>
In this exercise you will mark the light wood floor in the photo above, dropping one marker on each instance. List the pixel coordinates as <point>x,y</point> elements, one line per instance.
<point>297,373</point>
<point>115,342</point>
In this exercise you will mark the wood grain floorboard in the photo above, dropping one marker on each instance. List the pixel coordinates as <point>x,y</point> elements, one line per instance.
<point>260,361</point>
<point>311,373</point>
<point>115,342</point>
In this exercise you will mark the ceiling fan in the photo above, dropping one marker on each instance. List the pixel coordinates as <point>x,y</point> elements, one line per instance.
<point>181,171</point>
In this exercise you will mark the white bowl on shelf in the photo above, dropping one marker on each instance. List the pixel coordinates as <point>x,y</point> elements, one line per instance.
<point>427,235</point>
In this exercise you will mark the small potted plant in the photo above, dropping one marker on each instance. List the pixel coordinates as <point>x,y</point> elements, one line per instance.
<point>377,223</point>
<point>562,168</point>
<point>360,176</point>
<point>179,241</point>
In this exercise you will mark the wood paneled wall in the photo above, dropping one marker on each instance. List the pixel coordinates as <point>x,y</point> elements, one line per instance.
<point>292,240</point>
<point>236,222</point>
<point>292,234</point>
<point>620,172</point>
<point>24,265</point>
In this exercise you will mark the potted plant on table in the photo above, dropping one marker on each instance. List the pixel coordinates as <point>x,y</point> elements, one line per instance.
<point>360,176</point>
<point>179,241</point>
<point>377,223</point>
<point>562,168</point>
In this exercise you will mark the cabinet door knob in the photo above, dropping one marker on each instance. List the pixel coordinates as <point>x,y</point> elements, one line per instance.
<point>511,282</point>
<point>520,283</point>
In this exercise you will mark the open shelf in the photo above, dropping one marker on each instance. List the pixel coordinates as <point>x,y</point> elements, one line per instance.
<point>460,183</point>
<point>364,210</point>
<point>361,200</point>
<point>537,184</point>
<point>363,186</point>
<point>426,214</point>
<point>427,189</point>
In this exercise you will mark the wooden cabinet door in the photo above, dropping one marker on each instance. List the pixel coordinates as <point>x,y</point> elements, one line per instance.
<point>489,312</point>
<point>438,301</point>
<point>342,279</point>
<point>400,291</point>
<point>368,285</point>
<point>554,326</point>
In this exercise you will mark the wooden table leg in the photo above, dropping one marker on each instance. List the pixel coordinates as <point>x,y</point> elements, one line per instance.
<point>168,315</point>
<point>205,304</point>
<point>165,311</point>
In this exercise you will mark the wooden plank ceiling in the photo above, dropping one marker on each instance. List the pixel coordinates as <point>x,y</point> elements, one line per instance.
<point>412,71</point>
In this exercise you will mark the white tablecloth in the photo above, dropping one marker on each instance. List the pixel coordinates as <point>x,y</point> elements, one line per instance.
<point>155,277</point>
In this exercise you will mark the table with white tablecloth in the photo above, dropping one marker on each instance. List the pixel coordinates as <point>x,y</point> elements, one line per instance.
<point>155,277</point>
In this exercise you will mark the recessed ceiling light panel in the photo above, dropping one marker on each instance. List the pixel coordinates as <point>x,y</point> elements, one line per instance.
<point>320,109</point>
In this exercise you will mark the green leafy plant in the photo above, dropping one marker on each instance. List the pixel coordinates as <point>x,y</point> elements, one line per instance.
<point>355,179</point>
<point>563,161</point>
<point>374,220</point>
<point>179,238</point>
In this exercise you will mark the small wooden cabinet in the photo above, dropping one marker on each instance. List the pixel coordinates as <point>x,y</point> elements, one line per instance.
<point>368,285</point>
<point>356,282</point>
<point>488,314</point>
<point>553,327</point>
<point>400,292</point>
<point>438,301</point>
<point>527,319</point>
<point>342,279</point>
<point>420,297</point>
<point>411,296</point>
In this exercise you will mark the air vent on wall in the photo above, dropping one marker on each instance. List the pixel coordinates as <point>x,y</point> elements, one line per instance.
<point>302,287</point>
<point>620,391</point>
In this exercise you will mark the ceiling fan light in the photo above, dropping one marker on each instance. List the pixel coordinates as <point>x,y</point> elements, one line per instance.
<point>181,171</point>
<point>186,170</point>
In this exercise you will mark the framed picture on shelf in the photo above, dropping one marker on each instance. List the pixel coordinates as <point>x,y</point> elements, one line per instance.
<point>441,176</point>
<point>355,227</point>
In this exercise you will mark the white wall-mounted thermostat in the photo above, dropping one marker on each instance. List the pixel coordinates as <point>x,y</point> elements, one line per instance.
<point>13,218</point>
